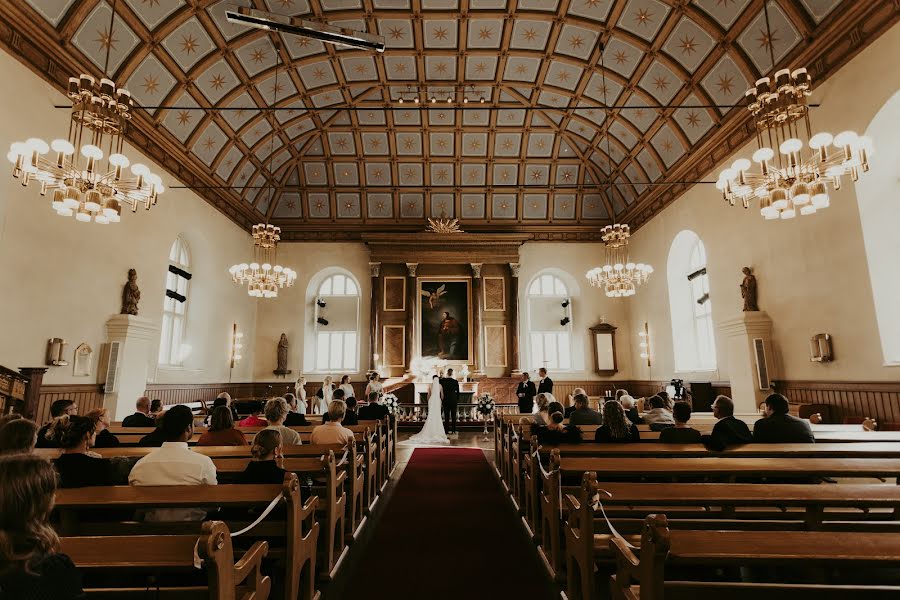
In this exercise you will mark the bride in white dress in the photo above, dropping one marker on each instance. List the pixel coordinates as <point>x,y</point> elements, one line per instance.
<point>433,431</point>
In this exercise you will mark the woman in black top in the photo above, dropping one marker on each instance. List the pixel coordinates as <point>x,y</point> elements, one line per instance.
<point>30,567</point>
<point>77,467</point>
<point>616,428</point>
<point>265,449</point>
<point>104,439</point>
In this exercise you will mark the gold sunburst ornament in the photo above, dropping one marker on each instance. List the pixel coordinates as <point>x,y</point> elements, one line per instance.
<point>443,225</point>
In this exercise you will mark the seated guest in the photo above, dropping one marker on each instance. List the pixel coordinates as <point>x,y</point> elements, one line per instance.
<point>616,427</point>
<point>553,407</point>
<point>254,420</point>
<point>779,427</point>
<point>7,418</point>
<point>333,432</point>
<point>141,417</point>
<point>350,418</point>
<point>571,407</point>
<point>31,567</point>
<point>621,392</point>
<point>631,410</point>
<point>175,464</point>
<point>225,399</point>
<point>276,411</point>
<point>680,433</point>
<point>668,403</point>
<point>77,466</point>
<point>156,407</point>
<point>57,409</point>
<point>374,410</point>
<point>266,447</point>
<point>221,430</point>
<point>18,436</point>
<point>728,431</point>
<point>104,438</point>
<point>658,412</point>
<point>582,415</point>
<point>338,394</point>
<point>295,416</point>
<point>555,432</point>
<point>155,438</point>
<point>542,401</point>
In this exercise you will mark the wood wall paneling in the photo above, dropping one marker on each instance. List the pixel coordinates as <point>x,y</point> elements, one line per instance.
<point>393,347</point>
<point>495,345</point>
<point>494,294</point>
<point>395,294</point>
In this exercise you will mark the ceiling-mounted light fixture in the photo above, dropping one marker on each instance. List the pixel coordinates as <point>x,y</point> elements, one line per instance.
<point>243,15</point>
<point>433,99</point>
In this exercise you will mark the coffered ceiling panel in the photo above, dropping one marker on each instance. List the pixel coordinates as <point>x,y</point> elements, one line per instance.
<point>573,107</point>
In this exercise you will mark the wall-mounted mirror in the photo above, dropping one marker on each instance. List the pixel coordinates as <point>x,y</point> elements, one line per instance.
<point>603,338</point>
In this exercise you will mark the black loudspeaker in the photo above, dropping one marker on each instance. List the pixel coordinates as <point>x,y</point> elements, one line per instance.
<point>701,396</point>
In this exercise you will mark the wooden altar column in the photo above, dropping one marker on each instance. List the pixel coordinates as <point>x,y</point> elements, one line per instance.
<point>514,316</point>
<point>411,298</point>
<point>477,318</point>
<point>29,406</point>
<point>374,325</point>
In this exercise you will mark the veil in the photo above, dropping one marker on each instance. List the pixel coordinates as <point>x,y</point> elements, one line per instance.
<point>435,393</point>
<point>433,430</point>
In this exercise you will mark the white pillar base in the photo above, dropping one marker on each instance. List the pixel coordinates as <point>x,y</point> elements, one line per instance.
<point>740,332</point>
<point>137,337</point>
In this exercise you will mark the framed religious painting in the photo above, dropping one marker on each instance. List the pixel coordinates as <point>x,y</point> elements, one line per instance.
<point>445,318</point>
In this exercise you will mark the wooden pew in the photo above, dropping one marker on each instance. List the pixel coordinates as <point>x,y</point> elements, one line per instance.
<point>227,579</point>
<point>644,578</point>
<point>299,529</point>
<point>332,507</point>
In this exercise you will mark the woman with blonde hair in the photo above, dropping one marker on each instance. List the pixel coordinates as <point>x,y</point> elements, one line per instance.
<point>31,566</point>
<point>77,465</point>
<point>276,412</point>
<point>100,417</point>
<point>616,427</point>
<point>300,394</point>
<point>324,395</point>
<point>262,468</point>
<point>542,400</point>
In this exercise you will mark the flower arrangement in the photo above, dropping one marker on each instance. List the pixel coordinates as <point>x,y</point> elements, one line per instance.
<point>485,404</point>
<point>393,405</point>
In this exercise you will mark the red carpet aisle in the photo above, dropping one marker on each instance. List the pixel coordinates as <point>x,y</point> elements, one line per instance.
<point>448,532</point>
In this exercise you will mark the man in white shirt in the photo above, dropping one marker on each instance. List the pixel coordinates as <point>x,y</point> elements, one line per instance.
<point>333,432</point>
<point>175,464</point>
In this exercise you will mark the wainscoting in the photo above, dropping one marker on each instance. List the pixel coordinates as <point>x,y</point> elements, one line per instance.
<point>87,396</point>
<point>880,400</point>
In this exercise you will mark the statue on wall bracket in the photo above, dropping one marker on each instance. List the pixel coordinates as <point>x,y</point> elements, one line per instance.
<point>131,295</point>
<point>281,370</point>
<point>748,290</point>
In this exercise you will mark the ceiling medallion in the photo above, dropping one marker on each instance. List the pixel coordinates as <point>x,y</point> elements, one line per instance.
<point>618,276</point>
<point>82,184</point>
<point>263,277</point>
<point>443,225</point>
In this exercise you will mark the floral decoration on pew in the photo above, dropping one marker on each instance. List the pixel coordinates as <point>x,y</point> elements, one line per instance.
<point>391,402</point>
<point>485,404</point>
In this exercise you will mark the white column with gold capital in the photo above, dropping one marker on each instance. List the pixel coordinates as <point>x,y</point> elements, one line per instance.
<point>137,337</point>
<point>746,367</point>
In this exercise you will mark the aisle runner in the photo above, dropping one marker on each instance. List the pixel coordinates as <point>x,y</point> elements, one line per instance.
<point>448,532</point>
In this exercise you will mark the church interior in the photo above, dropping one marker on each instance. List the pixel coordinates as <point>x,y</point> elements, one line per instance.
<point>450,298</point>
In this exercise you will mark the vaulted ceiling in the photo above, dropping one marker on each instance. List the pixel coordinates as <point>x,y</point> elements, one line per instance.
<point>341,156</point>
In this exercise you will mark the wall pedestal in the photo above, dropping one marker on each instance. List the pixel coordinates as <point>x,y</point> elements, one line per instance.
<point>138,337</point>
<point>739,333</point>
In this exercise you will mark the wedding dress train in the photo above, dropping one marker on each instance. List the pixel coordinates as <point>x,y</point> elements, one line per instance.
<point>433,431</point>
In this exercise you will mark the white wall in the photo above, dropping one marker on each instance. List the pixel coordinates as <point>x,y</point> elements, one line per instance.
<point>64,279</point>
<point>812,271</point>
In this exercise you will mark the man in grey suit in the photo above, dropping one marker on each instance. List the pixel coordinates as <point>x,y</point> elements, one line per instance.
<point>583,415</point>
<point>778,427</point>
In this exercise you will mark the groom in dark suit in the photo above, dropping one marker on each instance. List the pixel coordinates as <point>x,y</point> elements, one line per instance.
<point>451,399</point>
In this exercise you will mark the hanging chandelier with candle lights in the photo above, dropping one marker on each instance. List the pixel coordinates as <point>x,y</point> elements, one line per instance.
<point>264,277</point>
<point>795,169</point>
<point>618,276</point>
<point>86,174</point>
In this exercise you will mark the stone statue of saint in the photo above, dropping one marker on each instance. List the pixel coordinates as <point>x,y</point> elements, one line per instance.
<point>131,294</point>
<point>748,290</point>
<point>283,353</point>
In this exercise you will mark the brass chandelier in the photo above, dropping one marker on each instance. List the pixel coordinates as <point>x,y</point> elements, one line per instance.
<point>788,179</point>
<point>618,276</point>
<point>263,276</point>
<point>86,172</point>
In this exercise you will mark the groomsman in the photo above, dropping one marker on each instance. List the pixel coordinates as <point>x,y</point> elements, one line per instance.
<point>545,385</point>
<point>525,393</point>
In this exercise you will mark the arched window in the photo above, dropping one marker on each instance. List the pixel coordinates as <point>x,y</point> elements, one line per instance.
<point>879,212</point>
<point>550,339</point>
<point>693,335</point>
<point>337,324</point>
<point>172,350</point>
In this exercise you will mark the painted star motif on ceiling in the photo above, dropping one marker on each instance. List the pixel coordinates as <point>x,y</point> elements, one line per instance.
<point>620,57</point>
<point>303,42</point>
<point>693,119</point>
<point>439,33</point>
<point>563,76</point>
<point>521,69</point>
<point>348,205</point>
<point>318,73</point>
<point>480,67</point>
<point>565,206</point>
<point>361,69</point>
<point>529,34</point>
<point>504,174</point>
<point>208,144</point>
<point>767,41</point>
<point>258,55</point>
<point>395,32</point>
<point>291,205</point>
<point>567,175</point>
<point>411,205</point>
<point>189,44</point>
<point>151,84</point>
<point>508,144</point>
<point>277,88</point>
<point>472,175</point>
<point>341,143</point>
<point>379,205</point>
<point>441,68</point>
<point>643,16</point>
<point>184,117</point>
<point>474,145</point>
<point>536,175</point>
<point>375,143</point>
<point>400,67</point>
<point>504,205</point>
<point>104,39</point>
<point>485,33</point>
<point>661,83</point>
<point>472,206</point>
<point>725,83</point>
<point>377,174</point>
<point>576,42</point>
<point>441,116</point>
<point>688,45</point>
<point>441,143</point>
<point>442,205</point>
<point>409,143</point>
<point>409,174</point>
<point>442,175</point>
<point>320,205</point>
<point>217,81</point>
<point>667,145</point>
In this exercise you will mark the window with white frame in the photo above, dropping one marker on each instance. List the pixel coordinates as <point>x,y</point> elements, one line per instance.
<point>172,350</point>
<point>550,341</point>
<point>693,333</point>
<point>337,324</point>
